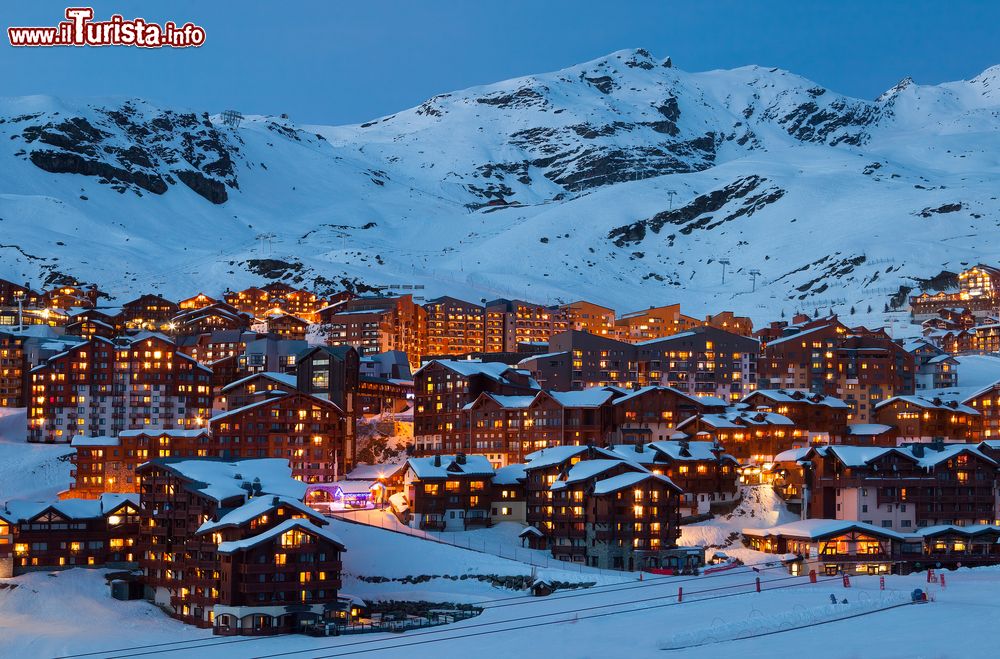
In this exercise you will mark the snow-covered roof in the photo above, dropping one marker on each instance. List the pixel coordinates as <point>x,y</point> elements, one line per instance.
<point>470,367</point>
<point>593,397</point>
<point>741,419</point>
<point>933,457</point>
<point>506,402</point>
<point>545,355</point>
<point>797,335</point>
<point>530,530</point>
<point>793,454</point>
<point>276,531</point>
<point>586,469</point>
<point>554,455</point>
<point>799,396</point>
<point>868,429</point>
<point>621,481</point>
<point>930,404</point>
<point>81,442</point>
<point>256,507</point>
<point>695,451</point>
<point>817,529</point>
<point>971,530</point>
<point>159,432</point>
<point>367,472</point>
<point>281,378</point>
<point>656,387</point>
<point>22,511</point>
<point>221,479</point>
<point>859,456</point>
<point>447,466</point>
<point>512,474</point>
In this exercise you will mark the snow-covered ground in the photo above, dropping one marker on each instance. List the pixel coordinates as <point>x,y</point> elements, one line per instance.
<point>978,371</point>
<point>71,613</point>
<point>29,471</point>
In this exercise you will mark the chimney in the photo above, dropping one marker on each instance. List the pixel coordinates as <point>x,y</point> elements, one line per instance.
<point>918,450</point>
<point>437,460</point>
<point>460,458</point>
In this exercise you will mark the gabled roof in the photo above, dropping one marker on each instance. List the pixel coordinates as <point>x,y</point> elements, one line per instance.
<point>280,396</point>
<point>426,467</point>
<point>495,371</point>
<point>818,529</point>
<point>367,472</point>
<point>221,479</point>
<point>256,507</point>
<point>554,455</point>
<point>71,509</point>
<point>631,479</point>
<point>798,396</point>
<point>586,469</point>
<point>593,397</point>
<point>285,379</point>
<point>968,531</point>
<point>951,405</point>
<point>662,388</point>
<point>289,524</point>
<point>512,474</point>
<point>738,420</point>
<point>506,402</point>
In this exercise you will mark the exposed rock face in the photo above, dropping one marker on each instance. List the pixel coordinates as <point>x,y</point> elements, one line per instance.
<point>135,147</point>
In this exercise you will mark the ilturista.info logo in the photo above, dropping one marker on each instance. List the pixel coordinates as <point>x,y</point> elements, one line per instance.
<point>80,29</point>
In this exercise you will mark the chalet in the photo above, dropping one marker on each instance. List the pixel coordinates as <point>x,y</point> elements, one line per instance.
<point>562,418</point>
<point>199,301</point>
<point>287,326</point>
<point>109,464</point>
<point>987,402</point>
<point>903,488</point>
<point>230,545</point>
<point>652,413</point>
<point>584,316</point>
<point>497,426</point>
<point>754,437</point>
<point>309,432</point>
<point>71,296</point>
<point>148,312</point>
<point>859,366</point>
<point>509,496</point>
<point>253,388</point>
<point>978,291</point>
<point>821,418</point>
<point>707,475</point>
<point>11,294</point>
<point>442,389</point>
<point>935,368</point>
<point>829,546</point>
<point>920,419</point>
<point>948,546</point>
<point>68,533</point>
<point>448,492</point>
<point>276,296</point>
<point>210,318</point>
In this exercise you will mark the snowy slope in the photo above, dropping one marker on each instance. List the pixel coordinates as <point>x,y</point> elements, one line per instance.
<point>626,178</point>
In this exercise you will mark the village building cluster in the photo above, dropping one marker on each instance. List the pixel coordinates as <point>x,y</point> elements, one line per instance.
<point>210,433</point>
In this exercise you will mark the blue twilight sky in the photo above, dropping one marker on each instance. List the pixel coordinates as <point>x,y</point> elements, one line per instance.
<point>346,61</point>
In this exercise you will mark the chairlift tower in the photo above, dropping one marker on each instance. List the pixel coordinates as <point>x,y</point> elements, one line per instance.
<point>724,262</point>
<point>232,118</point>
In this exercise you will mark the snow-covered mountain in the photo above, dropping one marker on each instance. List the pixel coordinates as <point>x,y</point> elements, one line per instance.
<point>623,180</point>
